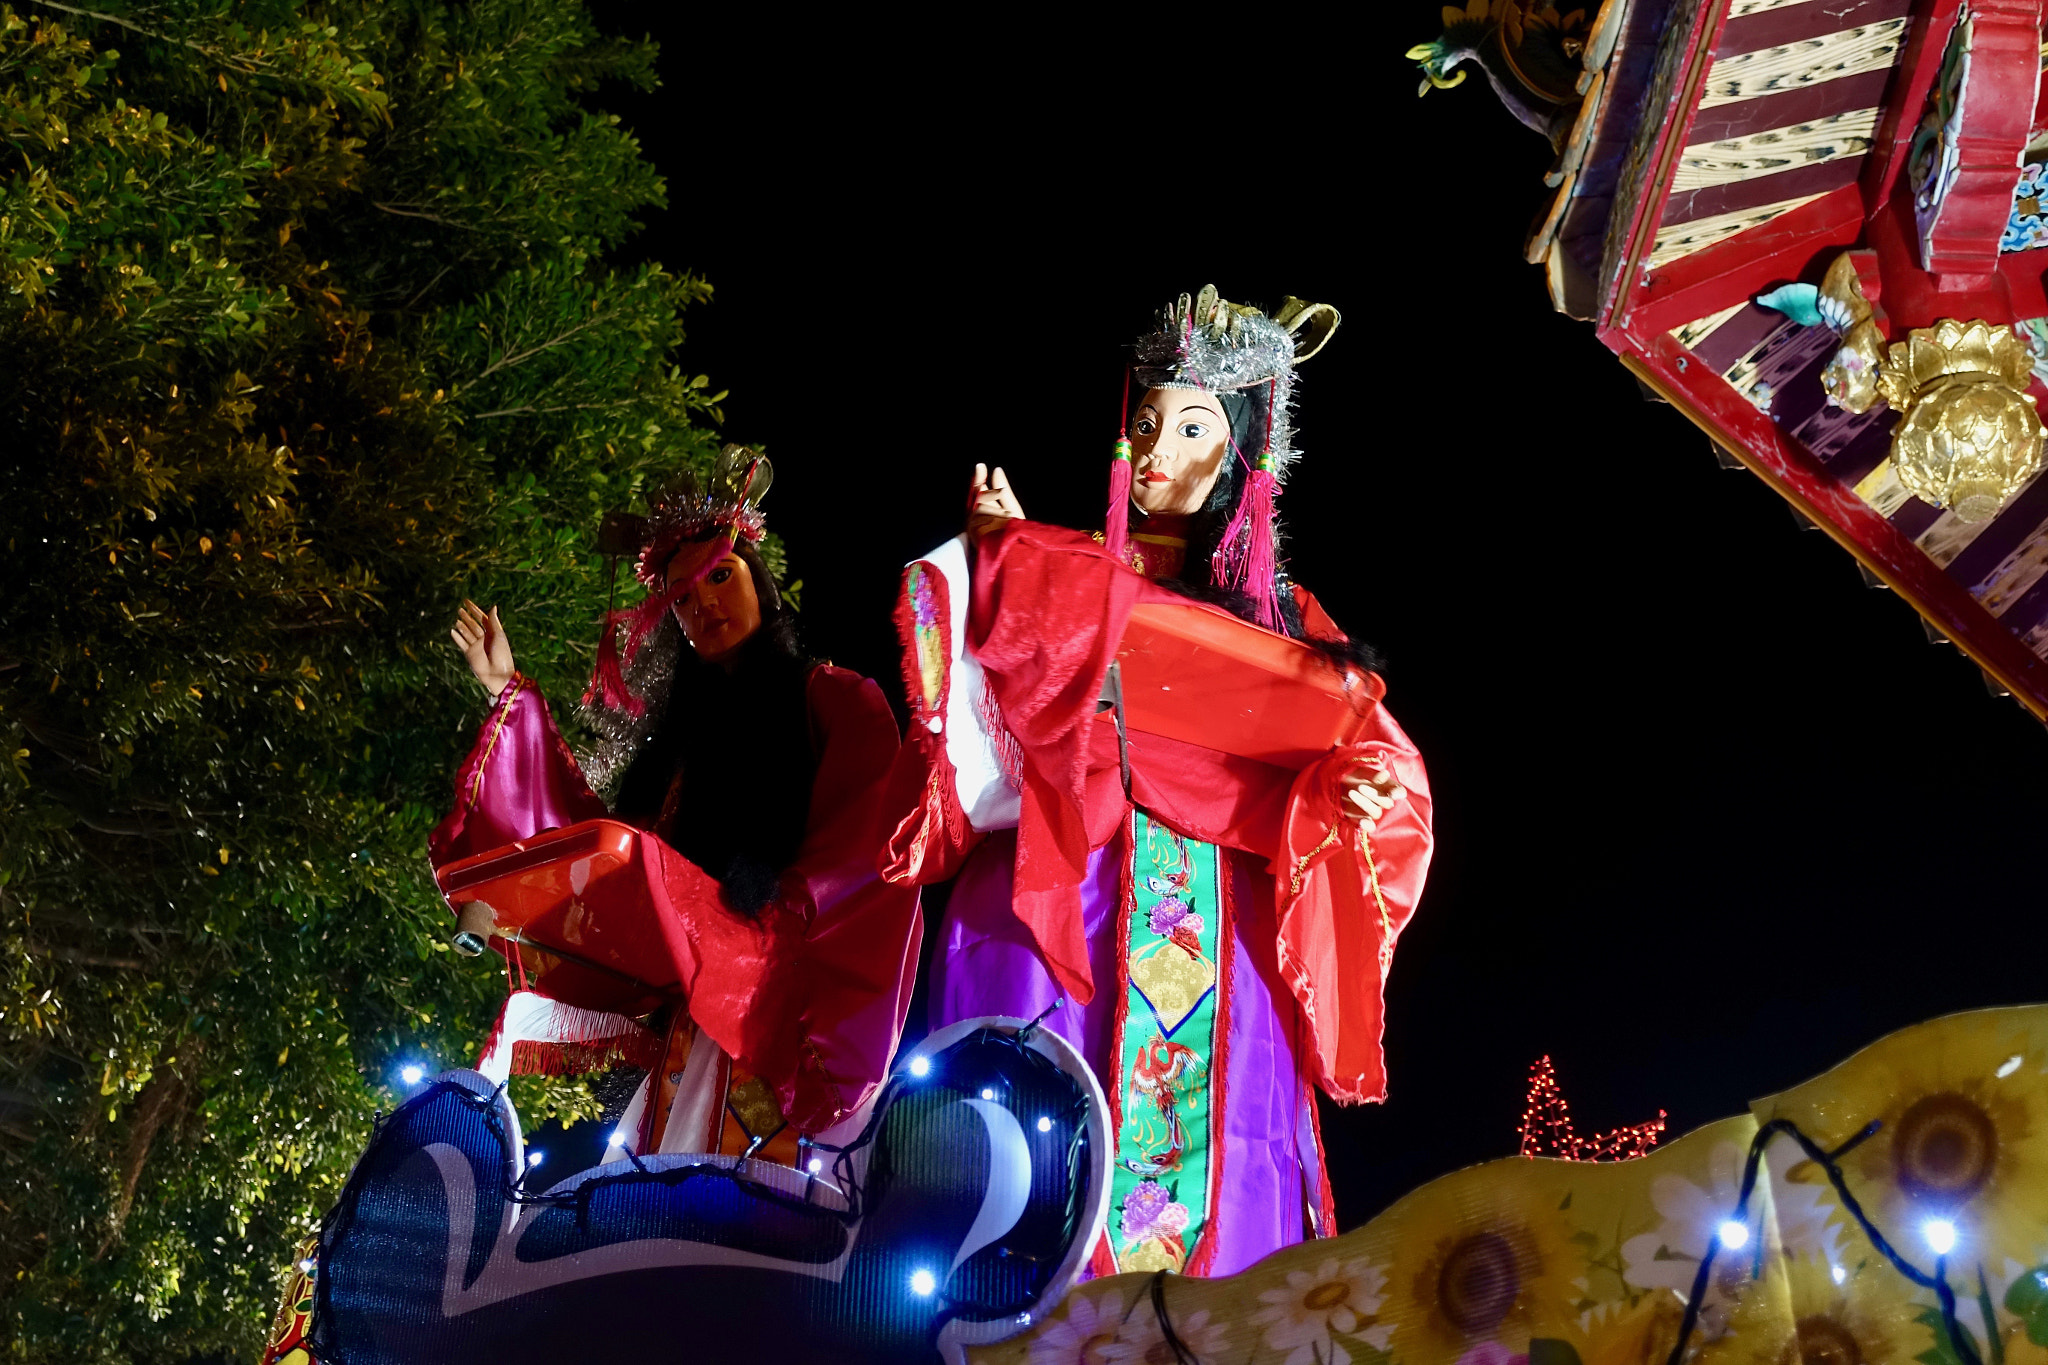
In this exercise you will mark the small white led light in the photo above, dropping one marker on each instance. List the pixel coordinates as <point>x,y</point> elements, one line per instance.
<point>1940,1235</point>
<point>922,1283</point>
<point>987,1093</point>
<point>1044,1124</point>
<point>920,1066</point>
<point>817,1164</point>
<point>2011,1065</point>
<point>412,1073</point>
<point>1838,1273</point>
<point>1734,1235</point>
<point>308,1266</point>
<point>622,1137</point>
<point>535,1158</point>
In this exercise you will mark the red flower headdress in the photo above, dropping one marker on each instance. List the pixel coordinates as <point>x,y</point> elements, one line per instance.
<point>700,519</point>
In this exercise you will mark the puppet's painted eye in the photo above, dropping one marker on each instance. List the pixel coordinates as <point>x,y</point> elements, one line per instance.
<point>1194,431</point>
<point>1146,426</point>
<point>720,575</point>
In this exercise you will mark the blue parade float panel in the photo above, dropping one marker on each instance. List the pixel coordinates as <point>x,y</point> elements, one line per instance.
<point>960,1217</point>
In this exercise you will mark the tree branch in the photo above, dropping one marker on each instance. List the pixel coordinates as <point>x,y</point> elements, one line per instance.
<point>246,68</point>
<point>121,831</point>
<point>562,339</point>
<point>158,1102</point>
<point>415,213</point>
<point>528,409</point>
<point>424,288</point>
<point>54,744</point>
<point>126,964</point>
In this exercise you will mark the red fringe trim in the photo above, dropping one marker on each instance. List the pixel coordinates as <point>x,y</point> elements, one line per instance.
<point>533,1057</point>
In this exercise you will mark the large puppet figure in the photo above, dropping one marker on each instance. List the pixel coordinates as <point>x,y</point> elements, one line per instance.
<point>1212,930</point>
<point>760,767</point>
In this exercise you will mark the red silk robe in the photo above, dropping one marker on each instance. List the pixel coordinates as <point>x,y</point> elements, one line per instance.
<point>1048,610</point>
<point>811,995</point>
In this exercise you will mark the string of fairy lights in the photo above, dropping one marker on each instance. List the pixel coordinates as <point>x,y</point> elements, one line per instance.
<point>1733,1234</point>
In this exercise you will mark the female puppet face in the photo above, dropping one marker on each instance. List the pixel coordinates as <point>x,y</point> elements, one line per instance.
<point>722,612</point>
<point>1179,440</point>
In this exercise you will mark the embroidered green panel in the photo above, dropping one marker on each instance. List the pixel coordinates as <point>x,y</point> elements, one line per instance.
<point>1166,1034</point>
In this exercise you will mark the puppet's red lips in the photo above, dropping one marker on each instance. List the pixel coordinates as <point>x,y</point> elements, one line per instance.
<point>1154,476</point>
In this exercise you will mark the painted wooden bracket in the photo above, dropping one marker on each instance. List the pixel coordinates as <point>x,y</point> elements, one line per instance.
<point>1966,197</point>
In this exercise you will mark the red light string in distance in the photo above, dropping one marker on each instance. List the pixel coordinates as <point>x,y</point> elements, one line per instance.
<point>1546,1128</point>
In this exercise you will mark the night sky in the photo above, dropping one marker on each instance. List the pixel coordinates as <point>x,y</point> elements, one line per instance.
<point>1711,813</point>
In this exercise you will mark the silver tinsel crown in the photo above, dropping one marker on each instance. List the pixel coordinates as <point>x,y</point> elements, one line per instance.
<point>1207,342</point>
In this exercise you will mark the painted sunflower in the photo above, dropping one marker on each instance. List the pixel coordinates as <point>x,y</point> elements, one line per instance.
<point>1962,1109</point>
<point>1483,1260</point>
<point>1622,1334</point>
<point>1835,1315</point>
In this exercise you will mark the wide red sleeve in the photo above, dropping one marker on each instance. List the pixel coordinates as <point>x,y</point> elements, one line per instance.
<point>927,834</point>
<point>856,961</point>
<point>518,780</point>
<point>1343,894</point>
<point>1049,609</point>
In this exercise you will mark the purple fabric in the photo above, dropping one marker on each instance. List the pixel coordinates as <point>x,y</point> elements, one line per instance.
<point>985,964</point>
<point>1263,1162</point>
<point>519,780</point>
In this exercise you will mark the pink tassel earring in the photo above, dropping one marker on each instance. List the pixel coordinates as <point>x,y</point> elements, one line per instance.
<point>1248,560</point>
<point>1116,523</point>
<point>608,680</point>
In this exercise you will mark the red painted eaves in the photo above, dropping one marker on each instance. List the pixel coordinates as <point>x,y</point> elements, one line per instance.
<point>1675,120</point>
<point>1738,426</point>
<point>1732,272</point>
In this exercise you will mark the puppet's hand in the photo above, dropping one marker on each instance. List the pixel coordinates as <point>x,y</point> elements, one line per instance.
<point>990,501</point>
<point>483,644</point>
<point>1370,791</point>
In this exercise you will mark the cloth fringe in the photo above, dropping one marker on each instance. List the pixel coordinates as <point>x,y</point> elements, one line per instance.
<point>1247,561</point>
<point>549,1038</point>
<point>1008,753</point>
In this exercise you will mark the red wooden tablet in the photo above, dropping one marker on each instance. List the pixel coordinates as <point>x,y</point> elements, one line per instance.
<point>589,893</point>
<point>1196,673</point>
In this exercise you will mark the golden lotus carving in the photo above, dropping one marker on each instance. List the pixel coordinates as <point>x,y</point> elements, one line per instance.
<point>1968,436</point>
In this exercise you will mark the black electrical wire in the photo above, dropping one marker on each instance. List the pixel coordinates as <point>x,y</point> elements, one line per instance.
<point>1181,1354</point>
<point>1829,1161</point>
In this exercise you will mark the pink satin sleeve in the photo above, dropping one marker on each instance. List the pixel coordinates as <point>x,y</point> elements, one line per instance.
<point>518,780</point>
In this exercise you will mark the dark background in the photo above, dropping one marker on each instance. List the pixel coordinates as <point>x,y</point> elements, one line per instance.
<point>1711,814</point>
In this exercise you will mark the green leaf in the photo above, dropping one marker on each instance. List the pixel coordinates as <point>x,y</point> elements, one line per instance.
<point>2027,1299</point>
<point>1943,1351</point>
<point>264,666</point>
<point>1552,1351</point>
<point>1990,1317</point>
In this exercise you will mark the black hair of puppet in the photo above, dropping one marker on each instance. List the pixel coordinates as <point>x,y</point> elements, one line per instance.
<point>725,775</point>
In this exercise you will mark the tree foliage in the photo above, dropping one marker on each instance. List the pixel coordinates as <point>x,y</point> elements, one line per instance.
<point>306,332</point>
